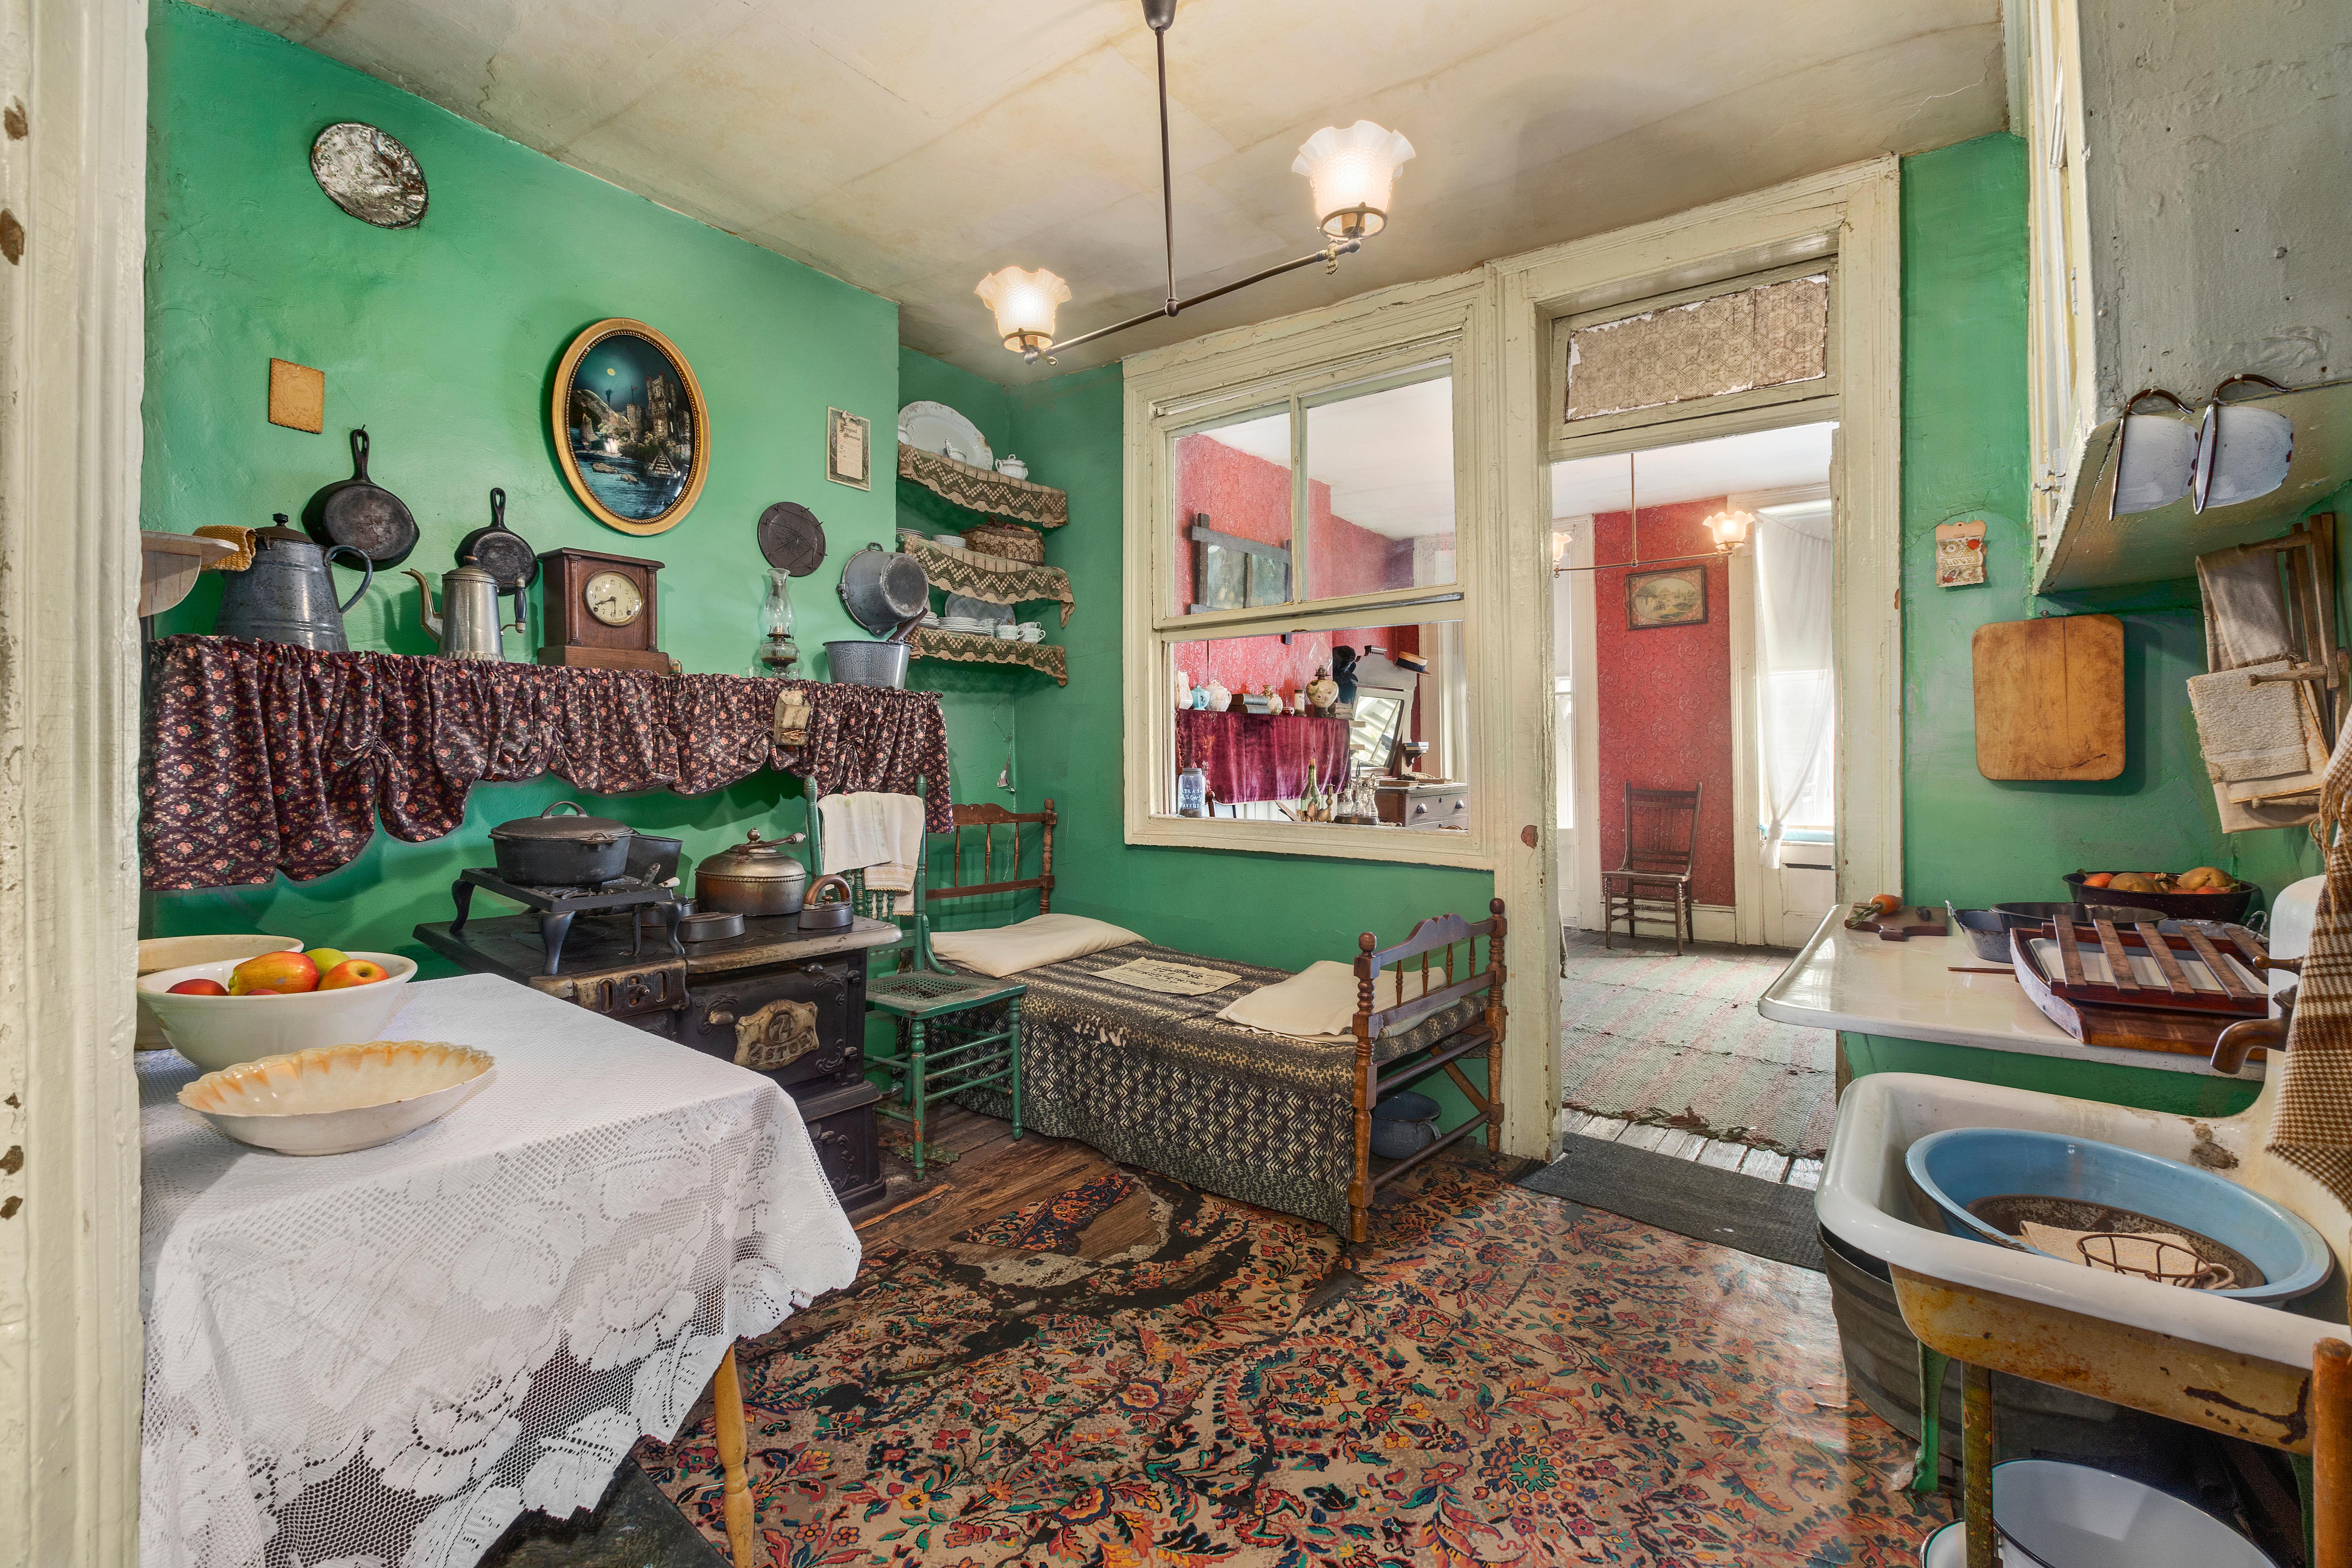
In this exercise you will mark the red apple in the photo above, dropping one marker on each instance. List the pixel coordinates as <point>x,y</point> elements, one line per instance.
<point>284,974</point>
<point>199,988</point>
<point>351,972</point>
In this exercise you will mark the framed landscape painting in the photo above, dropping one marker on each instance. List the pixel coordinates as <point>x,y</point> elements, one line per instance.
<point>630,430</point>
<point>1674,597</point>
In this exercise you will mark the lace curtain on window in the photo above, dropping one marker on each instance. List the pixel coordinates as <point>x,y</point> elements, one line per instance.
<point>1796,694</point>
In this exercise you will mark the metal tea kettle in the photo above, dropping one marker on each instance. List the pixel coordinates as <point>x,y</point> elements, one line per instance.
<point>468,624</point>
<point>287,594</point>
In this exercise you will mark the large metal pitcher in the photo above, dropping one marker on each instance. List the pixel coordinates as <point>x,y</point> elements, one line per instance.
<point>467,626</point>
<point>287,594</point>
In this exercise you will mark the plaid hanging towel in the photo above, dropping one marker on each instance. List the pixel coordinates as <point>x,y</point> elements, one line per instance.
<point>2313,1129</point>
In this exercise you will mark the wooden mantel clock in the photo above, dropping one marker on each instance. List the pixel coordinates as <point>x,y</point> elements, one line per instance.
<point>600,612</point>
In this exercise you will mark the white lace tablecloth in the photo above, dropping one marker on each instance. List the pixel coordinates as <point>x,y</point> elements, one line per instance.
<point>380,1358</point>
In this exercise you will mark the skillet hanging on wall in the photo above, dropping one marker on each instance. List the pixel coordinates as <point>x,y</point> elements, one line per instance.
<point>362,514</point>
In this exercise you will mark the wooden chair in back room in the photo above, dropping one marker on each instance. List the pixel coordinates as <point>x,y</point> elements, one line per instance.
<point>1661,850</point>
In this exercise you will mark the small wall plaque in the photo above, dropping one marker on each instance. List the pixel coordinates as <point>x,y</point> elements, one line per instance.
<point>298,397</point>
<point>1960,553</point>
<point>849,449</point>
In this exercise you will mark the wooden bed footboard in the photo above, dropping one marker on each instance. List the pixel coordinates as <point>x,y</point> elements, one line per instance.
<point>1425,983</point>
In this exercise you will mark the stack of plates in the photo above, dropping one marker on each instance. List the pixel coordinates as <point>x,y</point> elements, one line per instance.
<point>964,624</point>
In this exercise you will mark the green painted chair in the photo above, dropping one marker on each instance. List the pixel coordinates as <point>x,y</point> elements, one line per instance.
<point>960,1032</point>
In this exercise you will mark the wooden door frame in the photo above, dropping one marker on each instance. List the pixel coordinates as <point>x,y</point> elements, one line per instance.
<point>72,357</point>
<point>1854,212</point>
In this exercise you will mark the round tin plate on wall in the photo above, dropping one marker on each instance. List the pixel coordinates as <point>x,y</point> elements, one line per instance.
<point>369,174</point>
<point>792,537</point>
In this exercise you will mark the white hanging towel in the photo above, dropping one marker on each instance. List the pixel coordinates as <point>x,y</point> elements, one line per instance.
<point>879,834</point>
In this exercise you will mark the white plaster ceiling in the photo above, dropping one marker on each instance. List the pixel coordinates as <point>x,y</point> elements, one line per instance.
<point>912,146</point>
<point>1693,471</point>
<point>1388,457</point>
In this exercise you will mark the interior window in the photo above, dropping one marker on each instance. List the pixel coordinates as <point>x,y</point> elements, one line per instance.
<point>1233,534</point>
<point>1380,488</point>
<point>1384,745</point>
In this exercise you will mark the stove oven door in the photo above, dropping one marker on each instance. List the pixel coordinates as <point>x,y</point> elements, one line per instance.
<point>802,1025</point>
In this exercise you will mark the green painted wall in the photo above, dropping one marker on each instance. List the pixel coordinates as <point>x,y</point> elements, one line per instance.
<point>1287,910</point>
<point>443,341</point>
<point>1965,452</point>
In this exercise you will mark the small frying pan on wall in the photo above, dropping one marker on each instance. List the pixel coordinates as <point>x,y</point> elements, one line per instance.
<point>502,552</point>
<point>362,514</point>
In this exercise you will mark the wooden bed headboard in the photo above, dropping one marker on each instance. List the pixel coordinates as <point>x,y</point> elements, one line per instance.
<point>987,818</point>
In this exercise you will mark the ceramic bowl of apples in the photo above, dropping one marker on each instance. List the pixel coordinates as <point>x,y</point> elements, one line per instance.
<point>229,1011</point>
<point>2204,893</point>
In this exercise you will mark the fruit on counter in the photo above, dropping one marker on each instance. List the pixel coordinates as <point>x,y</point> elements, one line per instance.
<point>200,988</point>
<point>1885,903</point>
<point>351,972</point>
<point>2202,879</point>
<point>280,973</point>
<point>327,958</point>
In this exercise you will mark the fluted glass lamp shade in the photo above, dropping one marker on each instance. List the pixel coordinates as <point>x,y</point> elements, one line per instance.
<point>1353,172</point>
<point>1730,528</point>
<point>1023,303</point>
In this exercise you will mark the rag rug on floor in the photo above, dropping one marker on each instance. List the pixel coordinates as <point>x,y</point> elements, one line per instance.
<point>1498,1378</point>
<point>1671,1041</point>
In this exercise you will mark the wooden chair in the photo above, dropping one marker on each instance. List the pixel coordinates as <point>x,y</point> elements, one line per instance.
<point>1660,850</point>
<point>947,1022</point>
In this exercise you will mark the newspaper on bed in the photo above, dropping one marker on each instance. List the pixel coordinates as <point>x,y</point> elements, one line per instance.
<point>1169,979</point>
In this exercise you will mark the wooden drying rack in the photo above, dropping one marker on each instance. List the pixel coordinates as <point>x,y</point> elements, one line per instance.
<point>2308,552</point>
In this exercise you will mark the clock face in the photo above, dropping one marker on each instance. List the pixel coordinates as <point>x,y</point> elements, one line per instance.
<point>613,598</point>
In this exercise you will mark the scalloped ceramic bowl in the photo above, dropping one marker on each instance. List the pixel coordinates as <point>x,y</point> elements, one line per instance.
<point>215,1032</point>
<point>337,1100</point>
<point>156,952</point>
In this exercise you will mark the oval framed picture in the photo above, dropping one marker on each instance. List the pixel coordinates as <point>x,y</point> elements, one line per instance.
<point>629,426</point>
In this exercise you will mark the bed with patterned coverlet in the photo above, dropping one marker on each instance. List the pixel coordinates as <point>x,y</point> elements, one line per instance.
<point>1162,1083</point>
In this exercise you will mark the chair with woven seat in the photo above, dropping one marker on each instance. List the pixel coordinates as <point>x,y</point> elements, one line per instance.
<point>1661,850</point>
<point>959,1031</point>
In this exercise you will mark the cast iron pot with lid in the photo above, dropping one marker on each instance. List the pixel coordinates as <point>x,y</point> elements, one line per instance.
<point>552,851</point>
<point>757,877</point>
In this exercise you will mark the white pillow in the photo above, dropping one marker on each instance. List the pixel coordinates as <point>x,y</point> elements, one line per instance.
<point>1318,1003</point>
<point>1048,939</point>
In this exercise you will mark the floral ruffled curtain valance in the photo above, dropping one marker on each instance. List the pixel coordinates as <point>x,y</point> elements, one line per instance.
<point>264,757</point>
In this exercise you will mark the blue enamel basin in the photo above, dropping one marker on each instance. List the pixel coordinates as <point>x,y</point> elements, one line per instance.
<point>1959,1165</point>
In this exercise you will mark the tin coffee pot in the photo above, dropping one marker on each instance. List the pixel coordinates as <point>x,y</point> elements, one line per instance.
<point>468,624</point>
<point>287,594</point>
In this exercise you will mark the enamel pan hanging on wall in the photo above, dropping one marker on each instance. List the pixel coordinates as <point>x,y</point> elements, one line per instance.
<point>370,176</point>
<point>629,426</point>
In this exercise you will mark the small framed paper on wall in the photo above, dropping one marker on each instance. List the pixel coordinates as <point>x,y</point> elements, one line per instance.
<point>848,452</point>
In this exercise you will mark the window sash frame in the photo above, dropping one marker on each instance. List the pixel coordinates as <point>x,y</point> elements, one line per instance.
<point>1345,349</point>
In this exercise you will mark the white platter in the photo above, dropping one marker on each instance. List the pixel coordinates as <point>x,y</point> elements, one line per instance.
<point>340,1099</point>
<point>935,427</point>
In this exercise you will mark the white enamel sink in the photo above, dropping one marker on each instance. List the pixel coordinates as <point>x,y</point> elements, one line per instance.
<point>1864,1200</point>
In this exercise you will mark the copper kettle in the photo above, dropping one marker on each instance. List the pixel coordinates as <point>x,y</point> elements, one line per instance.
<point>757,877</point>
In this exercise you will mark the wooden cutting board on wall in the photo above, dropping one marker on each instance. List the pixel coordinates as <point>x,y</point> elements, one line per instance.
<point>2050,697</point>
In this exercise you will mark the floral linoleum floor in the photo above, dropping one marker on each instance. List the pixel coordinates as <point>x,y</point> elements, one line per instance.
<point>1498,1378</point>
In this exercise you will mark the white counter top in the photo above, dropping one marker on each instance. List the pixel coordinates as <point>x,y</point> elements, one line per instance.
<point>1856,979</point>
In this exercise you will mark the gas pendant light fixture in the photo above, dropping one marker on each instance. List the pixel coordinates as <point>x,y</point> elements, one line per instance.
<point>1352,175</point>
